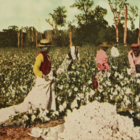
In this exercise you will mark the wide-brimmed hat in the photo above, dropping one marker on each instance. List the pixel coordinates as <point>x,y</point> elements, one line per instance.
<point>135,47</point>
<point>44,43</point>
<point>104,45</point>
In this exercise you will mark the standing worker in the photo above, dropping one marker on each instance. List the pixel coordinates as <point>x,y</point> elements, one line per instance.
<point>42,93</point>
<point>101,61</point>
<point>134,59</point>
<point>115,51</point>
<point>72,56</point>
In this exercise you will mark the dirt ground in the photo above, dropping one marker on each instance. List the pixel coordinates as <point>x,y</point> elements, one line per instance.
<point>21,133</point>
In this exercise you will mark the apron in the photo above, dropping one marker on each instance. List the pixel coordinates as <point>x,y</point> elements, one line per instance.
<point>42,94</point>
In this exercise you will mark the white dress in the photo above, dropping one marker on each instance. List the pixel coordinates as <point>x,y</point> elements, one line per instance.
<point>114,52</point>
<point>64,66</point>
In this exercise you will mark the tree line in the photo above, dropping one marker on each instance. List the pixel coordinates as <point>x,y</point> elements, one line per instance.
<point>92,28</point>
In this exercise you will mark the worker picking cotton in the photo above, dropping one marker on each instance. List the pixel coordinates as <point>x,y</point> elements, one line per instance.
<point>72,56</point>
<point>115,51</point>
<point>42,94</point>
<point>101,61</point>
<point>134,59</point>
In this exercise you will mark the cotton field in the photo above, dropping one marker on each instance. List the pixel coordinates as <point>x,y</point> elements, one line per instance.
<point>73,88</point>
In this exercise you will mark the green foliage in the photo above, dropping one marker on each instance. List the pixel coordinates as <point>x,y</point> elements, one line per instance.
<point>61,39</point>
<point>73,88</point>
<point>84,6</point>
<point>59,16</point>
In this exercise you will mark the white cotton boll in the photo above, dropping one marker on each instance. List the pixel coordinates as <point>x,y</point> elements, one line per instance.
<point>34,111</point>
<point>46,118</point>
<point>112,89</point>
<point>127,102</point>
<point>33,118</point>
<point>61,108</point>
<point>115,93</point>
<point>92,93</point>
<point>73,79</point>
<point>78,98</point>
<point>40,115</point>
<point>84,88</point>
<point>125,79</point>
<point>138,116</point>
<point>100,90</point>
<point>138,104</point>
<point>129,71</point>
<point>111,97</point>
<point>125,98</point>
<point>89,82</point>
<point>73,67</point>
<point>137,99</point>
<point>128,91</point>
<point>64,104</point>
<point>116,74</point>
<point>138,81</point>
<point>46,111</point>
<point>74,104</point>
<point>122,83</point>
<point>36,132</point>
<point>55,113</point>
<point>30,111</point>
<point>25,118</point>
<point>121,92</point>
<point>70,93</point>
<point>98,98</point>
<point>75,89</point>
<point>114,67</point>
<point>81,96</point>
<point>60,87</point>
<point>59,98</point>
<point>137,74</point>
<point>108,74</point>
<point>108,83</point>
<point>77,72</point>
<point>100,79</point>
<point>121,76</point>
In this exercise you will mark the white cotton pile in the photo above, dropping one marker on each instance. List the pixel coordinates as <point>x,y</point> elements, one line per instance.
<point>98,121</point>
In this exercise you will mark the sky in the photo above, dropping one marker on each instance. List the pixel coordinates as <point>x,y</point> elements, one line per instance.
<point>24,13</point>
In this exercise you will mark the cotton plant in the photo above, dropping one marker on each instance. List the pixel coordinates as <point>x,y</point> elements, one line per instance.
<point>74,84</point>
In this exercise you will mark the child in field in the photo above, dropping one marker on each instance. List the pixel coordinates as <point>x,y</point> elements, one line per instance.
<point>101,61</point>
<point>134,59</point>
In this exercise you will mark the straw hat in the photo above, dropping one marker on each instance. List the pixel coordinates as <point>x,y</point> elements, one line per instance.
<point>44,43</point>
<point>104,45</point>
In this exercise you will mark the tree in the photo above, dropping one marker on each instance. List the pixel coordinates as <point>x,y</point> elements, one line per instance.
<point>116,7</point>
<point>58,18</point>
<point>84,6</point>
<point>91,23</point>
<point>130,13</point>
<point>15,28</point>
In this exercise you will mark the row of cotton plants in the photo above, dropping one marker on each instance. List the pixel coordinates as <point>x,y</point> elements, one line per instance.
<point>74,87</point>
